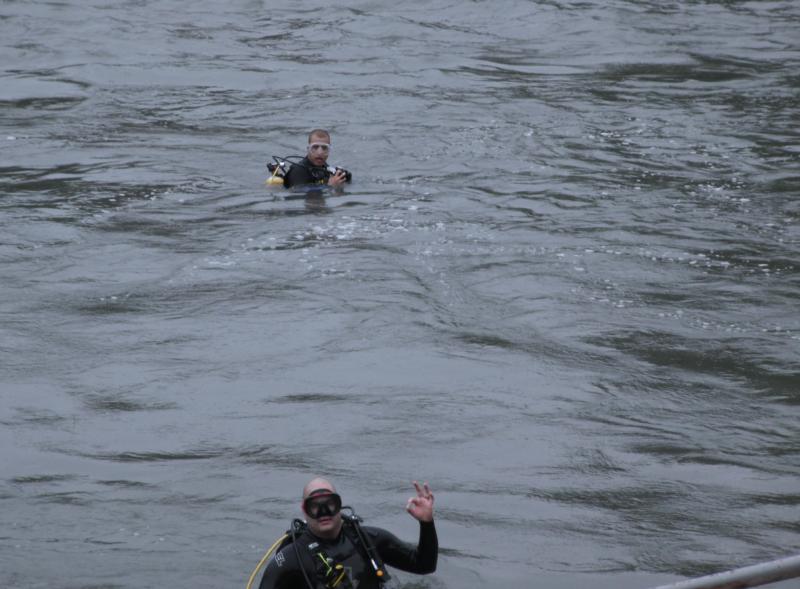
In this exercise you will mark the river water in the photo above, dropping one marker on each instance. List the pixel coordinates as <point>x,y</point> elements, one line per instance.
<point>563,287</point>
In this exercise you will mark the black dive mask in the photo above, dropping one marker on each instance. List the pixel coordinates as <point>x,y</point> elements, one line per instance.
<point>322,505</point>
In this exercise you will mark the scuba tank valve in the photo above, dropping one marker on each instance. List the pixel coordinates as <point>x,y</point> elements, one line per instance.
<point>278,170</point>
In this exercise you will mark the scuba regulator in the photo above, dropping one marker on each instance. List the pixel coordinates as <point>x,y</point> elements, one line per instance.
<point>333,169</point>
<point>330,572</point>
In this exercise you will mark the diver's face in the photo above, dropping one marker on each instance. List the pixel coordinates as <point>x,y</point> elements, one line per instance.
<point>323,510</point>
<point>318,149</point>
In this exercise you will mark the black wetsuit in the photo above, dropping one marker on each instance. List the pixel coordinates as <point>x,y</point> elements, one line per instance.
<point>304,172</point>
<point>283,569</point>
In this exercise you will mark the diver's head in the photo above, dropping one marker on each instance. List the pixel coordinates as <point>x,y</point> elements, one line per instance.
<point>319,147</point>
<point>322,506</point>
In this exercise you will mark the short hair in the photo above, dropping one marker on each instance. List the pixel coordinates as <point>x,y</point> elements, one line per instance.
<point>319,133</point>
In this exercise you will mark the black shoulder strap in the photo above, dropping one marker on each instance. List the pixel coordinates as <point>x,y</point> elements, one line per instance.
<point>362,539</point>
<point>297,532</point>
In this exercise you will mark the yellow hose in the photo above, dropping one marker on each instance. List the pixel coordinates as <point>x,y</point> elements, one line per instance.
<point>264,559</point>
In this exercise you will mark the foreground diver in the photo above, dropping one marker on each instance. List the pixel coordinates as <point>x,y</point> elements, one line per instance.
<point>313,168</point>
<point>333,551</point>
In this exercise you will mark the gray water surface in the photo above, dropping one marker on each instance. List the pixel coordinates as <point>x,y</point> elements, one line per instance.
<point>563,287</point>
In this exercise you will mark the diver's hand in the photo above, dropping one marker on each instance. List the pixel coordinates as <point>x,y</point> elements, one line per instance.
<point>338,178</point>
<point>421,506</point>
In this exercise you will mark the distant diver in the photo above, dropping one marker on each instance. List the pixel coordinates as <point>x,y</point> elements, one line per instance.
<point>332,550</point>
<point>312,169</point>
